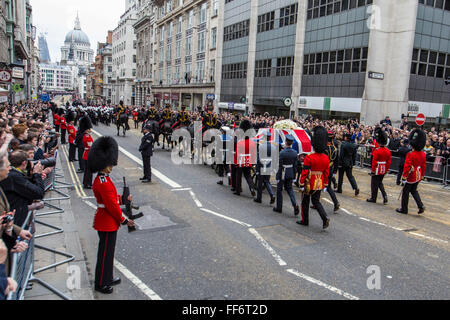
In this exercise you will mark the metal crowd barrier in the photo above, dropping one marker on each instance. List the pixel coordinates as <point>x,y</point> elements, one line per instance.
<point>22,267</point>
<point>436,172</point>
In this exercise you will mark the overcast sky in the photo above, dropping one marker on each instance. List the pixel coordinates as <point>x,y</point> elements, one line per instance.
<point>57,18</point>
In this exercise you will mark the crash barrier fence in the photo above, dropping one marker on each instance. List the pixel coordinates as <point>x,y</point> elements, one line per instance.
<point>438,170</point>
<point>23,270</point>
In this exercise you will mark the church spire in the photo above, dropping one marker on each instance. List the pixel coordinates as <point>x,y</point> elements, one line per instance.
<point>77,23</point>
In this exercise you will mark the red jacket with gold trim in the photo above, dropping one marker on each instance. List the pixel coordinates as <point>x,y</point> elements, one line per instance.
<point>415,165</point>
<point>316,167</point>
<point>108,216</point>
<point>72,133</point>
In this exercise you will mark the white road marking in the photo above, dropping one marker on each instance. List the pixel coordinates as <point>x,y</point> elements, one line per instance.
<point>264,243</point>
<point>225,217</point>
<point>197,202</point>
<point>136,281</point>
<point>427,237</point>
<point>322,284</point>
<point>182,189</point>
<point>155,172</point>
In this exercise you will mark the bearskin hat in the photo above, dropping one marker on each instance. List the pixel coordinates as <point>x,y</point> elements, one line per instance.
<point>85,124</point>
<point>381,137</point>
<point>319,139</point>
<point>103,153</point>
<point>70,116</point>
<point>417,139</point>
<point>245,125</point>
<point>60,111</point>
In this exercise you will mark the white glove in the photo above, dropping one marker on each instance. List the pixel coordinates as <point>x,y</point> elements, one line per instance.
<point>325,190</point>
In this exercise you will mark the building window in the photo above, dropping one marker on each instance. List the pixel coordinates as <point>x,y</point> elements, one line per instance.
<point>179,23</point>
<point>169,52</point>
<point>189,46</point>
<point>200,74</point>
<point>201,42</point>
<point>234,71</point>
<point>202,13</point>
<point>178,49</point>
<point>191,19</point>
<point>213,38</point>
<point>439,4</point>
<point>169,32</point>
<point>215,7</point>
<point>288,15</point>
<point>236,31</point>
<point>321,8</point>
<point>212,70</point>
<point>430,63</point>
<point>188,73</point>
<point>285,67</point>
<point>263,68</point>
<point>341,61</point>
<point>266,21</point>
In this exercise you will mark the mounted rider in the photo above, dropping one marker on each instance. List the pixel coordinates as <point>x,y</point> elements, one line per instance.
<point>152,114</point>
<point>183,119</point>
<point>120,109</point>
<point>210,120</point>
<point>166,115</point>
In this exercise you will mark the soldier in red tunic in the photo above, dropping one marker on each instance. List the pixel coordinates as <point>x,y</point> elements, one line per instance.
<point>244,158</point>
<point>314,177</point>
<point>381,162</point>
<point>56,120</point>
<point>103,156</point>
<point>85,128</point>
<point>72,135</point>
<point>414,171</point>
<point>63,125</point>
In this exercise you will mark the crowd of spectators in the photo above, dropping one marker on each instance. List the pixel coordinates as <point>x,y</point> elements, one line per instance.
<point>27,140</point>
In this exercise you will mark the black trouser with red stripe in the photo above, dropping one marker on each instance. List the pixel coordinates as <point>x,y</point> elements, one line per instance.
<point>315,199</point>
<point>105,258</point>
<point>72,150</point>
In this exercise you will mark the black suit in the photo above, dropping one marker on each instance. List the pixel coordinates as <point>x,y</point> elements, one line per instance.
<point>347,158</point>
<point>402,153</point>
<point>146,150</point>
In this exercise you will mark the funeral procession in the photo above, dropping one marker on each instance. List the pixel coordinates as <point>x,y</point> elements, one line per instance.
<point>228,156</point>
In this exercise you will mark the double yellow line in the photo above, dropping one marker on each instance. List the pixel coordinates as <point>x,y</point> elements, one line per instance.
<point>73,174</point>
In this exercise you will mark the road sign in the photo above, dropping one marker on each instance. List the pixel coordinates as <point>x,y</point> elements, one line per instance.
<point>18,72</point>
<point>17,87</point>
<point>287,102</point>
<point>5,76</point>
<point>420,119</point>
<point>210,96</point>
<point>376,75</point>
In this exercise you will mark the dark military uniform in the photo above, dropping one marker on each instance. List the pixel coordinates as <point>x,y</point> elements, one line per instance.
<point>285,177</point>
<point>347,158</point>
<point>146,150</point>
<point>332,154</point>
<point>266,152</point>
<point>153,114</point>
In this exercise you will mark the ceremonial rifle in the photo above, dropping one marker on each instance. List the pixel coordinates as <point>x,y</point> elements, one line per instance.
<point>128,211</point>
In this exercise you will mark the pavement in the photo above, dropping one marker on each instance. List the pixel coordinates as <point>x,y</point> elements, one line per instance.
<point>199,241</point>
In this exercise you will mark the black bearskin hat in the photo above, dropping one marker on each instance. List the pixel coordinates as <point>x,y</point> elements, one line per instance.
<point>381,137</point>
<point>319,139</point>
<point>60,111</point>
<point>85,123</point>
<point>103,153</point>
<point>417,139</point>
<point>245,125</point>
<point>70,116</point>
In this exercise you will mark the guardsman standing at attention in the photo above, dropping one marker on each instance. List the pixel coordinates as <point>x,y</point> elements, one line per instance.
<point>414,171</point>
<point>56,120</point>
<point>146,150</point>
<point>314,177</point>
<point>266,153</point>
<point>63,125</point>
<point>102,158</point>
<point>381,162</point>
<point>86,125</point>
<point>72,135</point>
<point>286,175</point>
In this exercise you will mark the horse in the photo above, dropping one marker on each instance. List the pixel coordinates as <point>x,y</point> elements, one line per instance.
<point>166,131</point>
<point>122,122</point>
